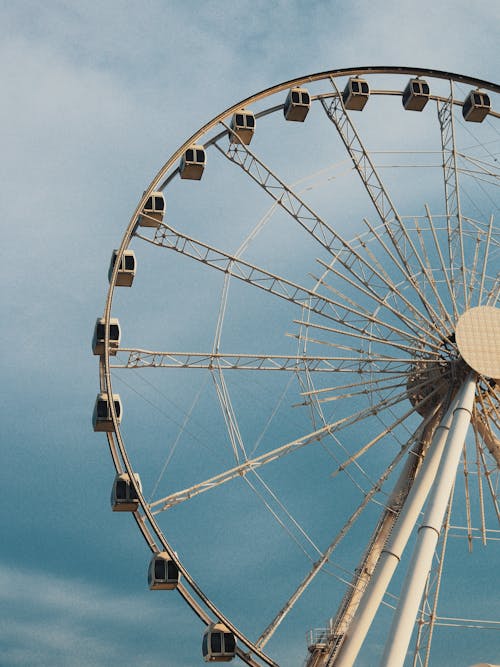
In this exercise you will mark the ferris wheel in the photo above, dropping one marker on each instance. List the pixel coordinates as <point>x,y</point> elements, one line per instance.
<point>305,374</point>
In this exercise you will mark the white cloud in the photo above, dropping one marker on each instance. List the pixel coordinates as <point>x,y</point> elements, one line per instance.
<point>52,620</point>
<point>95,99</point>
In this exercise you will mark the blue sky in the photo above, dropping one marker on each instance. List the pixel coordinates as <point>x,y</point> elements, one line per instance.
<point>95,99</point>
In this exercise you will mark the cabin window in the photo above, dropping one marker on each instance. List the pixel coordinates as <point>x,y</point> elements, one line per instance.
<point>102,409</point>
<point>239,120</point>
<point>117,408</point>
<point>200,156</point>
<point>149,204</point>
<point>189,155</point>
<point>355,86</point>
<point>425,89</point>
<point>159,203</point>
<point>121,489</point>
<point>250,121</point>
<point>364,88</point>
<point>172,571</point>
<point>295,97</point>
<point>159,569</point>
<point>114,332</point>
<point>481,99</point>
<point>129,263</point>
<point>229,642</point>
<point>305,98</point>
<point>216,642</point>
<point>100,332</point>
<point>204,646</point>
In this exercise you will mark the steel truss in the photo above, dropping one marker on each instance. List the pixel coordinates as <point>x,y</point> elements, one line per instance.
<point>413,326</point>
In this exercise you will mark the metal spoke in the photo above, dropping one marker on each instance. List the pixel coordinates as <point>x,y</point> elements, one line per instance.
<point>413,325</point>
<point>273,455</point>
<point>362,450</point>
<point>451,189</point>
<point>168,237</point>
<point>138,358</point>
<point>361,334</point>
<point>343,252</point>
<point>485,259</point>
<point>325,557</point>
<point>378,194</point>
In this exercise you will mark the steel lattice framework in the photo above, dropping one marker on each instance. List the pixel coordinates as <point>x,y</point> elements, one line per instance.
<point>373,320</point>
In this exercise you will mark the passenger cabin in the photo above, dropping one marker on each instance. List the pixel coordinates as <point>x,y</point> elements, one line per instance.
<point>476,106</point>
<point>99,332</point>
<point>163,573</point>
<point>356,94</point>
<point>123,494</point>
<point>297,104</point>
<point>416,95</point>
<point>242,126</point>
<point>193,163</point>
<point>153,211</point>
<point>126,270</point>
<point>219,644</point>
<point>101,419</point>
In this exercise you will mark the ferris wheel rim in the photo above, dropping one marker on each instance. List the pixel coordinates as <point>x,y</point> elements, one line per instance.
<point>335,73</point>
<point>105,373</point>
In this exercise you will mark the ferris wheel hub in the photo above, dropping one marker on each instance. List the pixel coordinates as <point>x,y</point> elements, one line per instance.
<point>478,339</point>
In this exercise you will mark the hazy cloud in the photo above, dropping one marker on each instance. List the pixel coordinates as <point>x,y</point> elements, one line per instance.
<point>94,100</point>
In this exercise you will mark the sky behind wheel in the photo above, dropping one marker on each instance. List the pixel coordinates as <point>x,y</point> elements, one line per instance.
<point>90,114</point>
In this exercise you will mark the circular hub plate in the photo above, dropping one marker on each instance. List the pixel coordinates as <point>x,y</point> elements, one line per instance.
<point>478,339</point>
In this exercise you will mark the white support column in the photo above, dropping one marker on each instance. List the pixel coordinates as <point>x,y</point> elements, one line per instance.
<point>404,618</point>
<point>393,549</point>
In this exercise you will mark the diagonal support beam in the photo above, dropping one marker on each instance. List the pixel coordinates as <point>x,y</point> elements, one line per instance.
<point>268,457</point>
<point>420,565</point>
<point>364,270</point>
<point>393,549</point>
<point>401,241</point>
<point>452,197</point>
<point>254,362</point>
<point>168,237</point>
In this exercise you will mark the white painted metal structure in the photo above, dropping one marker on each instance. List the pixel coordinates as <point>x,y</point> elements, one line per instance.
<point>374,285</point>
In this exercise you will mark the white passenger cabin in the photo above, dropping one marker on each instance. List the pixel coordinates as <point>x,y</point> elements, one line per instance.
<point>98,337</point>
<point>356,94</point>
<point>297,104</point>
<point>126,271</point>
<point>153,211</point>
<point>123,495</point>
<point>476,106</point>
<point>416,95</point>
<point>101,419</point>
<point>193,163</point>
<point>163,573</point>
<point>219,644</point>
<point>242,126</point>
